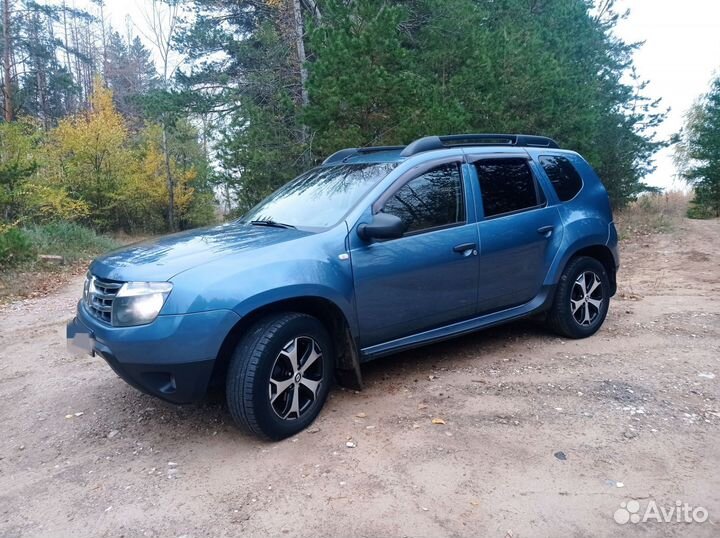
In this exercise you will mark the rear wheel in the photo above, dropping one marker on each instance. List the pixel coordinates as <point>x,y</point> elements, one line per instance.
<point>280,375</point>
<point>581,299</point>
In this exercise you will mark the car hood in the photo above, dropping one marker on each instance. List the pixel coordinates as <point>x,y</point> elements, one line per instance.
<point>161,259</point>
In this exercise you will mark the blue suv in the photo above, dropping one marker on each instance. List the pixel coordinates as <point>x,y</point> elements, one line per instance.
<point>377,250</point>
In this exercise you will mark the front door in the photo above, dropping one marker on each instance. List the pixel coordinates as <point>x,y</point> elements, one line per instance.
<point>428,277</point>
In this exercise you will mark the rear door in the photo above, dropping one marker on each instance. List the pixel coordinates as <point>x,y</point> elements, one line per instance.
<point>519,232</point>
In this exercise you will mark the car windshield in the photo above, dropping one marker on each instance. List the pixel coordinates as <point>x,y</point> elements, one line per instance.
<point>319,198</point>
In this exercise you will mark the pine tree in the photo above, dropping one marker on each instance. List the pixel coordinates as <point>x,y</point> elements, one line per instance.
<point>130,72</point>
<point>46,89</point>
<point>144,74</point>
<point>40,77</point>
<point>389,72</point>
<point>18,142</point>
<point>242,65</point>
<point>361,88</point>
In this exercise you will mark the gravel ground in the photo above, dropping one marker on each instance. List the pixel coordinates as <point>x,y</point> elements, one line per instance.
<point>541,436</point>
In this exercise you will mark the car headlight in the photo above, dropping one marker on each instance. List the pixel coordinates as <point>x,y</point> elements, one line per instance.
<point>139,303</point>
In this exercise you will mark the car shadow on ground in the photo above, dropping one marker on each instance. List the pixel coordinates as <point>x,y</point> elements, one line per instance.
<point>121,408</point>
<point>459,352</point>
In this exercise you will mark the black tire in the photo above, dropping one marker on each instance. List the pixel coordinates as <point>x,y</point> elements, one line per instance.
<point>262,352</point>
<point>568,294</point>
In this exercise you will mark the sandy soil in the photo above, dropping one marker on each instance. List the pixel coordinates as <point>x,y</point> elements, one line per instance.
<point>634,410</point>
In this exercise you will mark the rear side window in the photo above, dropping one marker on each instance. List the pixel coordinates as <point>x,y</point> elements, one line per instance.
<point>431,200</point>
<point>564,178</point>
<point>507,185</point>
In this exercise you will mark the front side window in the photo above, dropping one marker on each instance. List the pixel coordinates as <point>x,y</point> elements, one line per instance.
<point>321,197</point>
<point>432,200</point>
<point>507,185</point>
<point>564,178</point>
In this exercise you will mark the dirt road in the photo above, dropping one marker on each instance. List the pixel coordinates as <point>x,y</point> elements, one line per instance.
<point>542,437</point>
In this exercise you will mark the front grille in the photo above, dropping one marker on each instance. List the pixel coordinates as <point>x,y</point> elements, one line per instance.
<point>99,296</point>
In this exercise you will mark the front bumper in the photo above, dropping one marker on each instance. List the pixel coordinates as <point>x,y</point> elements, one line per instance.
<point>171,358</point>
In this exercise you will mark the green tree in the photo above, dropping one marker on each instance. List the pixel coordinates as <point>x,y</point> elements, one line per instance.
<point>146,195</point>
<point>192,167</point>
<point>242,66</point>
<point>362,91</point>
<point>698,154</point>
<point>46,88</point>
<point>130,73</point>
<point>45,76</point>
<point>389,72</point>
<point>18,162</point>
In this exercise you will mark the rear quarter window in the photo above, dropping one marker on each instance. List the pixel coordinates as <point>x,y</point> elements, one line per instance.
<point>564,177</point>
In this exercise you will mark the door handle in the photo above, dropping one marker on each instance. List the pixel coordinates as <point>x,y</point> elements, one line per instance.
<point>546,230</point>
<point>465,247</point>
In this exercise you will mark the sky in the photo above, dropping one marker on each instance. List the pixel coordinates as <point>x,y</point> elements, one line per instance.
<point>680,55</point>
<point>681,51</point>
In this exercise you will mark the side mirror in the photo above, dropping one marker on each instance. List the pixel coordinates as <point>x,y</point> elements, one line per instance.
<point>383,226</point>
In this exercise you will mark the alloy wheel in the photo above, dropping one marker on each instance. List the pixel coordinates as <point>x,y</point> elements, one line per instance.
<point>587,298</point>
<point>295,378</point>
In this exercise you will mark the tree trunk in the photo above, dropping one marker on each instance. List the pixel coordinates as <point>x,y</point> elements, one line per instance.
<point>42,100</point>
<point>104,41</point>
<point>312,6</point>
<point>7,67</point>
<point>78,62</point>
<point>70,98</point>
<point>90,64</point>
<point>298,27</point>
<point>67,41</point>
<point>163,24</point>
<point>299,30</point>
<point>170,181</point>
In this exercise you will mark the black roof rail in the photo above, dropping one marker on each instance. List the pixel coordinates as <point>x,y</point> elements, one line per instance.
<point>343,154</point>
<point>373,149</point>
<point>429,143</point>
<point>340,155</point>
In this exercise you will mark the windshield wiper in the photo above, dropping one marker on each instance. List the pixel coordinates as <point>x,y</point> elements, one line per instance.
<point>272,223</point>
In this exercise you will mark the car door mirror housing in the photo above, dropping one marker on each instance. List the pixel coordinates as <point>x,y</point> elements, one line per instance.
<point>382,226</point>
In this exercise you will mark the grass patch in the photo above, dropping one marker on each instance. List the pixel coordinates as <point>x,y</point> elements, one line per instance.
<point>20,268</point>
<point>67,239</point>
<point>700,211</point>
<point>651,214</point>
<point>15,247</point>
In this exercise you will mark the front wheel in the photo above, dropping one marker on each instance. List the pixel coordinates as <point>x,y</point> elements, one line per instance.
<point>280,375</point>
<point>581,299</point>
